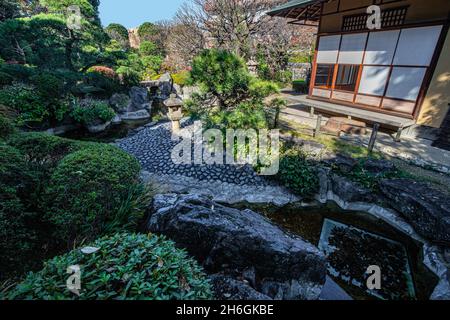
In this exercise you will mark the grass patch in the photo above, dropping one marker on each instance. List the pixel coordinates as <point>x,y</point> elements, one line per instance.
<point>332,144</point>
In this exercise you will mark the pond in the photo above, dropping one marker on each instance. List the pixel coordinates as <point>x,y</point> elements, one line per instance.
<point>120,131</point>
<point>353,241</point>
<point>111,134</point>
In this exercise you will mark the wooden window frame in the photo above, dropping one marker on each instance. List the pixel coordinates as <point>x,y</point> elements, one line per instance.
<point>330,76</point>
<point>422,92</point>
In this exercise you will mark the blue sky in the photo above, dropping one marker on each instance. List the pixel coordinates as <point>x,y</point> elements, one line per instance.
<point>132,13</point>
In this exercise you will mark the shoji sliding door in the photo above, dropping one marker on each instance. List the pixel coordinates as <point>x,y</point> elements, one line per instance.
<point>382,69</point>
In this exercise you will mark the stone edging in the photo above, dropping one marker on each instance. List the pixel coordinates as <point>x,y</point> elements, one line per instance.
<point>225,193</point>
<point>431,253</point>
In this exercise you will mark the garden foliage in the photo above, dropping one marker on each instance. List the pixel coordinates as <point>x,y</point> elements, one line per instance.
<point>125,267</point>
<point>297,173</point>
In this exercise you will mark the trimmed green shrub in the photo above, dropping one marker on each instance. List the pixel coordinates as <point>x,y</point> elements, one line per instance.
<point>5,79</point>
<point>147,31</point>
<point>17,237</point>
<point>297,173</point>
<point>99,85</point>
<point>26,100</point>
<point>17,71</point>
<point>300,86</point>
<point>260,89</point>
<point>125,267</point>
<point>6,127</point>
<point>223,75</point>
<point>49,85</point>
<point>90,112</point>
<point>44,149</point>
<point>33,107</point>
<point>86,190</point>
<point>301,58</point>
<point>148,48</point>
<point>245,116</point>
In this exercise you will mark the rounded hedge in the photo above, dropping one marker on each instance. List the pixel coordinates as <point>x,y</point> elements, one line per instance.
<point>43,148</point>
<point>87,189</point>
<point>125,267</point>
<point>6,127</point>
<point>17,239</point>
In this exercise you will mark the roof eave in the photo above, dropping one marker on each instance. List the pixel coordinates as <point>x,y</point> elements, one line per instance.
<point>286,8</point>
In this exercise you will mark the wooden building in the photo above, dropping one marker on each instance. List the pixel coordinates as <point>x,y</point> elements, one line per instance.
<point>400,70</point>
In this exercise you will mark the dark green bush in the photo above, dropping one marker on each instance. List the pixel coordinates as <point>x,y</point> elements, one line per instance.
<point>17,71</point>
<point>33,108</point>
<point>5,79</point>
<point>48,183</point>
<point>6,127</point>
<point>297,173</point>
<point>17,237</point>
<point>118,33</point>
<point>86,190</point>
<point>26,101</point>
<point>100,85</point>
<point>90,112</point>
<point>44,149</point>
<point>125,267</point>
<point>300,86</point>
<point>48,85</point>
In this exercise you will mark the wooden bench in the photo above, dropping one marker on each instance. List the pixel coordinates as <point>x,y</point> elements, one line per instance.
<point>385,120</point>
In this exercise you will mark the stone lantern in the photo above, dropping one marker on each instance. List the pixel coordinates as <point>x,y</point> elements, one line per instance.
<point>175,111</point>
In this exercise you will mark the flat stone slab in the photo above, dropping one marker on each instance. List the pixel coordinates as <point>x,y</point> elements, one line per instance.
<point>222,192</point>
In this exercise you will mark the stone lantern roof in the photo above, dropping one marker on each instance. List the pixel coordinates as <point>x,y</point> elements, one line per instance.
<point>173,101</point>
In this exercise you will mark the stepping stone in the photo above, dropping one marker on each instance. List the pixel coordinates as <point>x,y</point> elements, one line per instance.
<point>337,125</point>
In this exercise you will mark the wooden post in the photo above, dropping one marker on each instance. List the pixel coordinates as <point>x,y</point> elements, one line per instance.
<point>373,137</point>
<point>311,112</point>
<point>318,126</point>
<point>398,135</point>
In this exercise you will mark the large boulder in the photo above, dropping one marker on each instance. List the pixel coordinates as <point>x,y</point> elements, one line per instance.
<point>379,167</point>
<point>350,191</point>
<point>98,127</point>
<point>227,288</point>
<point>120,102</point>
<point>222,238</point>
<point>343,163</point>
<point>424,207</point>
<point>139,98</point>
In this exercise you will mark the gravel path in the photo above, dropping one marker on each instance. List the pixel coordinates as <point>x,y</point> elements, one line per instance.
<point>152,146</point>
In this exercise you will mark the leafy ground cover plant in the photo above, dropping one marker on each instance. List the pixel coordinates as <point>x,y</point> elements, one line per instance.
<point>89,111</point>
<point>123,267</point>
<point>297,173</point>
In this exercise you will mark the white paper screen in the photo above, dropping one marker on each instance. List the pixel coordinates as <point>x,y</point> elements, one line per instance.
<point>328,49</point>
<point>374,80</point>
<point>417,45</point>
<point>381,47</point>
<point>405,83</point>
<point>352,48</point>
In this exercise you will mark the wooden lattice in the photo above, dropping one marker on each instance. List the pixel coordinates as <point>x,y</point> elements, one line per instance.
<point>389,18</point>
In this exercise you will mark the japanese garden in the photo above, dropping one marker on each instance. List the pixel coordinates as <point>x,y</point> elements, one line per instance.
<point>237,150</point>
